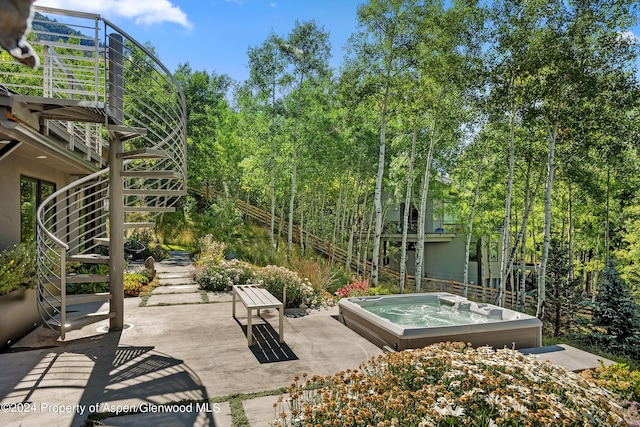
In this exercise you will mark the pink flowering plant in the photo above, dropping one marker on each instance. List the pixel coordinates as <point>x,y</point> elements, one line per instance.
<point>360,287</point>
<point>450,384</point>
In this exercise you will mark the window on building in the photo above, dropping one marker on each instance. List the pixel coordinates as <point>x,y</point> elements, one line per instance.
<point>32,193</point>
<point>449,213</point>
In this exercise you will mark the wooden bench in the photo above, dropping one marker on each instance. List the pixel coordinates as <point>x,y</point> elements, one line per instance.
<point>255,297</point>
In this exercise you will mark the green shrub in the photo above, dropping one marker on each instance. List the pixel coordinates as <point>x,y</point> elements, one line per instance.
<point>274,279</point>
<point>174,228</point>
<point>359,287</point>
<point>222,219</point>
<point>209,251</point>
<point>18,267</point>
<point>88,288</point>
<point>135,284</point>
<point>618,378</point>
<point>616,324</point>
<point>223,275</point>
<point>318,272</point>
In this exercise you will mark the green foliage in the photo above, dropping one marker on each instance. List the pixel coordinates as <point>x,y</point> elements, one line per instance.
<point>208,251</point>
<point>618,378</point>
<point>615,315</point>
<point>359,287</point>
<point>89,288</point>
<point>319,273</point>
<point>175,228</point>
<point>300,293</point>
<point>275,279</point>
<point>562,296</point>
<point>136,284</point>
<point>221,219</point>
<point>18,267</point>
<point>628,253</point>
<point>252,245</point>
<point>221,275</point>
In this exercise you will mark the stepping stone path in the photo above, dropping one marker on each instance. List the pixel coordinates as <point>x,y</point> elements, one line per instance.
<point>175,275</point>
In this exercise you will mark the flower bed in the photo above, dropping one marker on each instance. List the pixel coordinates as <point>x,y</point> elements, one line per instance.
<point>214,273</point>
<point>359,287</point>
<point>221,276</point>
<point>449,384</point>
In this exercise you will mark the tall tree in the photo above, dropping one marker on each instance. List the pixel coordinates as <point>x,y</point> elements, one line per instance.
<point>380,53</point>
<point>266,69</point>
<point>448,57</point>
<point>308,50</point>
<point>615,314</point>
<point>563,50</point>
<point>212,146</point>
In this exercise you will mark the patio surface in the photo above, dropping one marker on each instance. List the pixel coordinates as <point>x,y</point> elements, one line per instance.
<point>182,345</point>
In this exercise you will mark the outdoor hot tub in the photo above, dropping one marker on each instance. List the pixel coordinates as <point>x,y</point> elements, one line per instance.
<point>417,320</point>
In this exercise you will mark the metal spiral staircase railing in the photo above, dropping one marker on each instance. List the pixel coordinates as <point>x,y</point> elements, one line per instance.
<point>101,88</point>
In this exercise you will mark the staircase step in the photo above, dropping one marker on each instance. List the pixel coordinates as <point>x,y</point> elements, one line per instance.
<point>143,192</point>
<point>89,258</point>
<point>77,322</point>
<point>144,153</point>
<point>151,174</point>
<point>104,241</point>
<point>126,133</point>
<point>139,225</point>
<point>148,209</point>
<point>86,298</point>
<point>87,278</point>
<point>80,278</point>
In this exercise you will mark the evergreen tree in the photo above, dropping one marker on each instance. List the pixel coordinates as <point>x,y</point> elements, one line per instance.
<point>615,314</point>
<point>562,298</point>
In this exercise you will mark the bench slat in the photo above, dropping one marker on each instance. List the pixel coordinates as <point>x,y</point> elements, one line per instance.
<point>255,297</point>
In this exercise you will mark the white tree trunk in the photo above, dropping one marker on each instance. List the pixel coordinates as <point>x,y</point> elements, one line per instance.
<point>551,167</point>
<point>423,199</point>
<point>407,210</point>
<point>506,231</point>
<point>352,228</point>
<point>377,202</point>
<point>467,246</point>
<point>294,168</point>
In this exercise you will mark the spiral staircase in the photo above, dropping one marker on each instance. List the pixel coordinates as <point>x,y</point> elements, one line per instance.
<point>99,89</point>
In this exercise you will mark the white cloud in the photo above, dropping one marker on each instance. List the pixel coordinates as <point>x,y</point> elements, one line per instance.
<point>147,12</point>
<point>630,37</point>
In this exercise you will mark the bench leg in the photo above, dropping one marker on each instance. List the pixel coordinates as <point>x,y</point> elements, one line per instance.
<point>233,302</point>
<point>249,330</point>
<point>281,327</point>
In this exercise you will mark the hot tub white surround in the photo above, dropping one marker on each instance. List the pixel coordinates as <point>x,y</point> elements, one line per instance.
<point>417,320</point>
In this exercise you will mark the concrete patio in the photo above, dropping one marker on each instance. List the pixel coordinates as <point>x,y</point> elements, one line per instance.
<point>182,345</point>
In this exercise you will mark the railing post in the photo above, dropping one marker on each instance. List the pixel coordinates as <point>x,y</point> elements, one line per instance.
<point>63,293</point>
<point>116,197</point>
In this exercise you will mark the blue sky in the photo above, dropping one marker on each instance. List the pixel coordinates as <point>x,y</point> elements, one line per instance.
<point>214,35</point>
